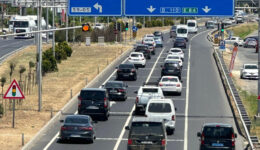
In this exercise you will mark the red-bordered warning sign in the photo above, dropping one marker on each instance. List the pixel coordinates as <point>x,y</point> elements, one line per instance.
<point>14,92</point>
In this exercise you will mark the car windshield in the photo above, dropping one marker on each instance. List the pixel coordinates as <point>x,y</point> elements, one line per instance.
<point>150,90</point>
<point>146,128</point>
<point>113,85</point>
<point>191,24</point>
<point>21,24</point>
<point>250,67</point>
<point>182,30</point>
<point>136,55</point>
<point>92,95</point>
<point>218,132</point>
<point>76,120</point>
<point>169,79</point>
<point>159,108</point>
<point>126,66</point>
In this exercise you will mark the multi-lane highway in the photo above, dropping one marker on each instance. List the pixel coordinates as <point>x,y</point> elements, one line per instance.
<point>203,100</point>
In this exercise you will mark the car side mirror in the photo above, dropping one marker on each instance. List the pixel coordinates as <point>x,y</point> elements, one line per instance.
<point>135,92</point>
<point>235,135</point>
<point>127,128</point>
<point>61,121</point>
<point>198,134</point>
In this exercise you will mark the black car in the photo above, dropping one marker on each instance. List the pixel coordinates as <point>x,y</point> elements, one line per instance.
<point>126,71</point>
<point>145,133</point>
<point>180,42</point>
<point>158,34</point>
<point>143,49</point>
<point>94,102</point>
<point>77,127</point>
<point>171,69</point>
<point>116,90</point>
<point>217,136</point>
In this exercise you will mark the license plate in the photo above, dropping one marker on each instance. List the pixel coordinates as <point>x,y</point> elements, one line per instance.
<point>113,91</point>
<point>125,75</point>
<point>136,59</point>
<point>217,144</point>
<point>147,142</point>
<point>169,85</point>
<point>92,107</point>
<point>74,135</point>
<point>170,70</point>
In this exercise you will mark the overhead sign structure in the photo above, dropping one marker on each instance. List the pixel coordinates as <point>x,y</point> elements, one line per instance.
<point>14,92</point>
<point>95,7</point>
<point>179,7</point>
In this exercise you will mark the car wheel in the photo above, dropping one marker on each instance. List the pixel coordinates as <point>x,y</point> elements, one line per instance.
<point>179,93</point>
<point>91,140</point>
<point>105,117</point>
<point>241,77</point>
<point>170,131</point>
<point>134,78</point>
<point>149,57</point>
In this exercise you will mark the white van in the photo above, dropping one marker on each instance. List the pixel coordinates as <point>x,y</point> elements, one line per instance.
<point>182,31</point>
<point>192,26</point>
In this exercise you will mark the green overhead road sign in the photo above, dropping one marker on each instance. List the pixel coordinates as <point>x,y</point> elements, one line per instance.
<point>191,10</point>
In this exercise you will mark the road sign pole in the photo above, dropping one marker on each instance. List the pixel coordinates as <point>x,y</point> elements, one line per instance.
<point>116,31</point>
<point>13,123</point>
<point>53,33</point>
<point>47,24</point>
<point>67,20</point>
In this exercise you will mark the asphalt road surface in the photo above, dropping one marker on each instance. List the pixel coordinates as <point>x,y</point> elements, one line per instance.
<point>203,100</point>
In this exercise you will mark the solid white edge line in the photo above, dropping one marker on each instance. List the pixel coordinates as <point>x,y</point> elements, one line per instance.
<point>187,96</point>
<point>129,117</point>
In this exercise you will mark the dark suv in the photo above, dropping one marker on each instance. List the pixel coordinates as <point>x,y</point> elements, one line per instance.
<point>217,136</point>
<point>145,133</point>
<point>180,42</point>
<point>171,69</point>
<point>94,102</point>
<point>116,90</point>
<point>127,71</point>
<point>143,49</point>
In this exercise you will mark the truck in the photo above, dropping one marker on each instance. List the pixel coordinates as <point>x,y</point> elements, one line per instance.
<point>144,94</point>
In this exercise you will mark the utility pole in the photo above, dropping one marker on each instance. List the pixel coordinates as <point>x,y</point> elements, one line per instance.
<point>53,32</point>
<point>2,8</point>
<point>67,20</point>
<point>144,22</point>
<point>258,110</point>
<point>47,24</point>
<point>73,30</point>
<point>39,50</point>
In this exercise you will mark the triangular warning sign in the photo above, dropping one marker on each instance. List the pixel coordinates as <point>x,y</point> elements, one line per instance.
<point>14,92</point>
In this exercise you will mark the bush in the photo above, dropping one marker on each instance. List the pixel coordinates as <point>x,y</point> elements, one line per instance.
<point>48,59</point>
<point>1,110</point>
<point>65,46</point>
<point>60,36</point>
<point>46,66</point>
<point>139,25</point>
<point>60,54</point>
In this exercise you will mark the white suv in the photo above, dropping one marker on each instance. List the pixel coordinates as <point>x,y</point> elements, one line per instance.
<point>163,109</point>
<point>137,59</point>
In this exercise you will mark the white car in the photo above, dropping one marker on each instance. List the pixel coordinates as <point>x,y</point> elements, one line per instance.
<point>235,39</point>
<point>148,36</point>
<point>171,84</point>
<point>176,51</point>
<point>175,59</point>
<point>227,22</point>
<point>99,26</point>
<point>149,40</point>
<point>137,59</point>
<point>249,71</point>
<point>164,110</point>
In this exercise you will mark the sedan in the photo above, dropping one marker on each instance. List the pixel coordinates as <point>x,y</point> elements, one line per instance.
<point>158,42</point>
<point>137,59</point>
<point>180,42</point>
<point>116,90</point>
<point>77,127</point>
<point>171,69</point>
<point>176,51</point>
<point>126,71</point>
<point>171,84</point>
<point>158,34</point>
<point>250,42</point>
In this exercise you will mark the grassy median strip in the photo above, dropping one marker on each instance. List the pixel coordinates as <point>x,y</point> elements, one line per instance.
<point>244,30</point>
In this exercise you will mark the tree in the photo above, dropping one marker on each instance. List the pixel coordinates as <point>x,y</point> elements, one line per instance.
<point>31,65</point>
<point>21,71</point>
<point>3,80</point>
<point>12,67</point>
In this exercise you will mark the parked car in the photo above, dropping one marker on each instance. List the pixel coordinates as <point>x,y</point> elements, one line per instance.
<point>240,19</point>
<point>171,84</point>
<point>171,69</point>
<point>158,34</point>
<point>162,109</point>
<point>250,42</point>
<point>143,49</point>
<point>217,136</point>
<point>235,39</point>
<point>126,71</point>
<point>145,133</point>
<point>158,41</point>
<point>137,59</point>
<point>94,102</point>
<point>180,42</point>
<point>77,127</point>
<point>116,90</point>
<point>249,71</point>
<point>144,94</point>
<point>176,51</point>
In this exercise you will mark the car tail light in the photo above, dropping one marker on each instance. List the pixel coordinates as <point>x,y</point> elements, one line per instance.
<point>86,128</point>
<point>233,139</point>
<point>132,70</point>
<point>121,90</point>
<point>130,142</point>
<point>173,117</point>
<point>105,102</point>
<point>118,70</point>
<point>79,101</point>
<point>136,100</point>
<point>202,139</point>
<point>178,85</point>
<point>163,142</point>
<point>63,128</point>
<point>160,84</point>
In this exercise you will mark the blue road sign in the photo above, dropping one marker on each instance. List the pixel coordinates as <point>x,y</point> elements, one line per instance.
<point>95,7</point>
<point>134,28</point>
<point>179,7</point>
<point>222,45</point>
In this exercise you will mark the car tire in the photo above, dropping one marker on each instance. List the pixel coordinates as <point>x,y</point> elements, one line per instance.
<point>91,140</point>
<point>241,77</point>
<point>105,117</point>
<point>134,78</point>
<point>170,132</point>
<point>179,93</point>
<point>143,66</point>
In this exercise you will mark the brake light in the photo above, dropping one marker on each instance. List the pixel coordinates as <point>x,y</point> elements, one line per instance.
<point>130,142</point>
<point>202,139</point>
<point>121,90</point>
<point>63,128</point>
<point>233,139</point>
<point>136,100</point>
<point>173,117</point>
<point>118,70</point>
<point>132,70</point>
<point>79,101</point>
<point>163,142</point>
<point>105,102</point>
<point>178,85</point>
<point>160,84</point>
<point>86,128</point>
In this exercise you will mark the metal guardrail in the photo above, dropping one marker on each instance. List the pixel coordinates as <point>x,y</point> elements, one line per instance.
<point>239,105</point>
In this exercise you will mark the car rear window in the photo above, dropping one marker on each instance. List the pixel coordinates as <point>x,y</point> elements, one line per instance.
<point>218,132</point>
<point>191,24</point>
<point>250,67</point>
<point>136,55</point>
<point>147,128</point>
<point>92,95</point>
<point>126,66</point>
<point>150,90</point>
<point>159,108</point>
<point>169,79</point>
<point>175,51</point>
<point>141,47</point>
<point>113,85</point>
<point>180,40</point>
<point>75,120</point>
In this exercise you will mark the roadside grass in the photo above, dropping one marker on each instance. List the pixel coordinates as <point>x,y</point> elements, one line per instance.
<point>244,30</point>
<point>73,74</point>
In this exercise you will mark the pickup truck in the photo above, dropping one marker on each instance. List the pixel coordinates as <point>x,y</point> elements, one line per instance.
<point>144,94</point>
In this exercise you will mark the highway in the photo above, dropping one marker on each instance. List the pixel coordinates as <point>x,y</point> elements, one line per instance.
<point>203,100</point>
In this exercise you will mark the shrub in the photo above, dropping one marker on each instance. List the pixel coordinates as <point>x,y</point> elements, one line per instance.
<point>65,46</point>
<point>60,36</point>
<point>1,110</point>
<point>49,59</point>
<point>139,25</point>
<point>46,66</point>
<point>60,54</point>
